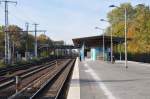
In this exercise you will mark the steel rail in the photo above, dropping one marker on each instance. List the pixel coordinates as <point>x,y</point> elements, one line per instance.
<point>28,86</point>
<point>50,80</point>
<point>26,74</point>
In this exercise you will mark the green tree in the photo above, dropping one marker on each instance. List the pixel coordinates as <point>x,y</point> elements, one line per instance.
<point>2,42</point>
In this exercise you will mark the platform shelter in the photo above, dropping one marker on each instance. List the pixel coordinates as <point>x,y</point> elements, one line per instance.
<point>92,47</point>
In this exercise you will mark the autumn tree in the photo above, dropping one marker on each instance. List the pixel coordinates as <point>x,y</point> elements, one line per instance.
<point>44,40</point>
<point>138,26</point>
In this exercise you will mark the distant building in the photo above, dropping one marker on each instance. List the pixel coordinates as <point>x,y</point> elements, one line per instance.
<point>61,42</point>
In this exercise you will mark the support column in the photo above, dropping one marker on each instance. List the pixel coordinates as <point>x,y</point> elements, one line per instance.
<point>82,52</point>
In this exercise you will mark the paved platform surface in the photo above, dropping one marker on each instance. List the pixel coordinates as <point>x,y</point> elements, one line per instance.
<point>101,80</point>
<point>74,90</point>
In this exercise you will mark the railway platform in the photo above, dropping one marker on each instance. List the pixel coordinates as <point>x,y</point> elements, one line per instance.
<point>103,80</point>
<point>83,86</point>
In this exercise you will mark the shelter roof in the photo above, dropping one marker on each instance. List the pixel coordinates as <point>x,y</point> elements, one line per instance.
<point>94,41</point>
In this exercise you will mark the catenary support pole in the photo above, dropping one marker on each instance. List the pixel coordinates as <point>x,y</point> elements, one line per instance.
<point>35,46</point>
<point>7,35</point>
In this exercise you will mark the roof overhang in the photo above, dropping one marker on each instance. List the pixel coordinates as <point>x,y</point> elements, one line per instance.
<point>95,41</point>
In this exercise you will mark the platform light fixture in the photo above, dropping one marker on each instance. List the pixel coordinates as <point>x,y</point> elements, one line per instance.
<point>125,31</point>
<point>111,40</point>
<point>103,41</point>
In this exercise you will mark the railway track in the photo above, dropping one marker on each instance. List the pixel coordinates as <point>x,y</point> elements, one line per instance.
<point>23,74</point>
<point>52,89</point>
<point>7,87</point>
<point>48,85</point>
<point>11,69</point>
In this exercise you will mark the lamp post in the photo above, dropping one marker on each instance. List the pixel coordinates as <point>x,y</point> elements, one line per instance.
<point>103,42</point>
<point>110,41</point>
<point>125,32</point>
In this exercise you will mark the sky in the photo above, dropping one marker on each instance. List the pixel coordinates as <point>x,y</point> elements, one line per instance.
<point>63,19</point>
